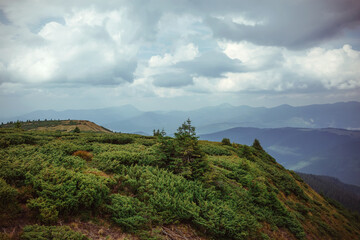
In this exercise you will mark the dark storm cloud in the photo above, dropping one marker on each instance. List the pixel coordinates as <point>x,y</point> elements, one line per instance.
<point>291,24</point>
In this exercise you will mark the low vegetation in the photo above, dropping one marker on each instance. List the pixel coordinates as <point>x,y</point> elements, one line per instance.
<point>143,184</point>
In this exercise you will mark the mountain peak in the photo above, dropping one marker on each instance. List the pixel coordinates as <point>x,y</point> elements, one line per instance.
<point>225,105</point>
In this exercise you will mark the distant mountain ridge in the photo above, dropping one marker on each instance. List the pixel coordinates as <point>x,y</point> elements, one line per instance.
<point>329,151</point>
<point>127,118</point>
<point>99,116</point>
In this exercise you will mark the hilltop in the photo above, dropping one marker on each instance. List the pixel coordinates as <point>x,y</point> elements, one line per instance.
<point>58,125</point>
<point>113,185</point>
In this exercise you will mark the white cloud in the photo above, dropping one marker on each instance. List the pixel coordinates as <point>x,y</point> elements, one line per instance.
<point>83,17</point>
<point>34,66</point>
<point>253,81</point>
<point>183,53</point>
<point>251,55</point>
<point>90,47</point>
<point>240,19</point>
<point>334,68</point>
<point>245,21</point>
<point>279,69</point>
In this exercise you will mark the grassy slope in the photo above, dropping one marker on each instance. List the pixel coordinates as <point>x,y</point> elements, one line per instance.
<point>117,183</point>
<point>346,194</point>
<point>59,125</point>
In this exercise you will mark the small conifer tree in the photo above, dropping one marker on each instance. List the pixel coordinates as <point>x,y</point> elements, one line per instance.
<point>76,129</point>
<point>257,145</point>
<point>157,133</point>
<point>225,141</point>
<point>188,141</point>
<point>18,124</point>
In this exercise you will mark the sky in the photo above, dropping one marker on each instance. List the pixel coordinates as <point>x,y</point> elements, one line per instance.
<point>162,55</point>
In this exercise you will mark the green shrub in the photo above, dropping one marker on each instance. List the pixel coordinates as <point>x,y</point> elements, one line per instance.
<point>60,148</point>
<point>66,191</point>
<point>128,212</point>
<point>226,141</point>
<point>32,232</point>
<point>113,161</point>
<point>215,150</point>
<point>112,138</point>
<point>16,139</point>
<point>176,199</point>
<point>146,142</point>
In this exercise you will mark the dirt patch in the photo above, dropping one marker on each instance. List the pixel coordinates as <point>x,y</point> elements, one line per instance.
<point>12,224</point>
<point>181,232</point>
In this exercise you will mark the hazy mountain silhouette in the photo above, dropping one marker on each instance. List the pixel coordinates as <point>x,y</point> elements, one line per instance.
<point>225,116</point>
<point>99,116</point>
<point>215,118</point>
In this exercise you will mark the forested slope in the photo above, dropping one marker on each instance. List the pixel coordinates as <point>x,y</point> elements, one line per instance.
<point>61,185</point>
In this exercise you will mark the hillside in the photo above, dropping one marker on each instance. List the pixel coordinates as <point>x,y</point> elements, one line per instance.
<point>329,151</point>
<point>117,186</point>
<point>58,125</point>
<point>348,195</point>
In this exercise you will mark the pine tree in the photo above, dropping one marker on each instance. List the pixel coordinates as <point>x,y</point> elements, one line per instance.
<point>76,130</point>
<point>157,133</point>
<point>188,141</point>
<point>225,141</point>
<point>18,124</point>
<point>257,145</point>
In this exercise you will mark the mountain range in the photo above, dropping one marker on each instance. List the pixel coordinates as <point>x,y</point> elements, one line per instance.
<point>129,119</point>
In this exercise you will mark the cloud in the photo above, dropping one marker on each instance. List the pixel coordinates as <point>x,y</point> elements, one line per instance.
<point>214,64</point>
<point>91,47</point>
<point>182,53</point>
<point>172,79</point>
<point>291,24</point>
<point>82,43</point>
<point>278,69</point>
<point>335,68</point>
<point>211,64</point>
<point>253,57</point>
<point>149,49</point>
